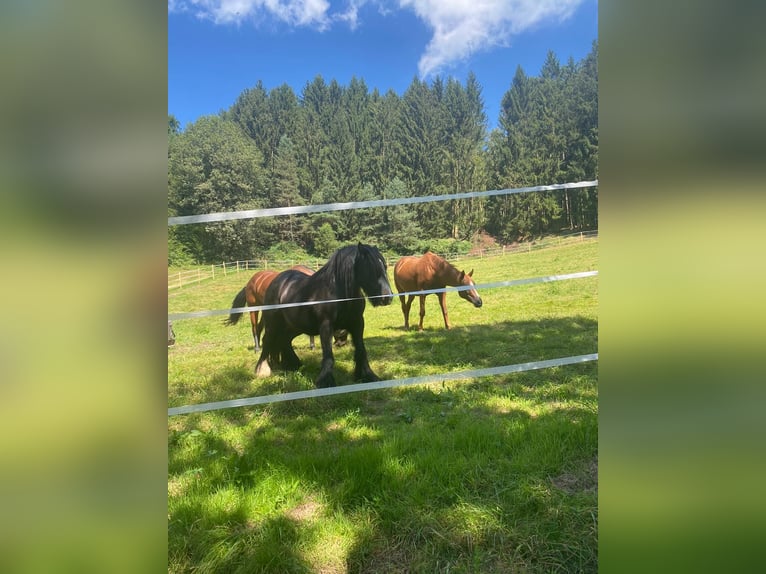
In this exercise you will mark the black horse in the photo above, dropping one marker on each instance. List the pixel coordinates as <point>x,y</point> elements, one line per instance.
<point>350,271</point>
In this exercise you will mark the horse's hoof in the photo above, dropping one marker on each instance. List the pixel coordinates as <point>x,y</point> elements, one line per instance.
<point>368,377</point>
<point>325,382</point>
<point>262,369</point>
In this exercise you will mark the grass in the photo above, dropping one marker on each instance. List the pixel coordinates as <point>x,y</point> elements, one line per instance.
<point>490,475</point>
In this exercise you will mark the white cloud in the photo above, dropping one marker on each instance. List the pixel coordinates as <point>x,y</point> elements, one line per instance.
<point>292,12</point>
<point>462,28</point>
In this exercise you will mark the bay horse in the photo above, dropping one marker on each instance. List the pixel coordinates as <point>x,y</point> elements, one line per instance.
<point>352,272</point>
<point>430,271</point>
<point>254,293</point>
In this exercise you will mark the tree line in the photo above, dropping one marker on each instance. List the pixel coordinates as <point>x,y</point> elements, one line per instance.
<point>335,143</point>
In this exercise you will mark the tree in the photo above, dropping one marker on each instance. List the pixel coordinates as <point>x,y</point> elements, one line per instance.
<point>251,112</point>
<point>213,166</point>
<point>325,242</point>
<point>548,134</point>
<point>398,227</point>
<point>312,139</point>
<point>420,131</point>
<point>284,186</point>
<point>174,126</point>
<point>336,220</point>
<point>265,117</point>
<point>465,134</point>
<point>337,143</point>
<point>384,145</point>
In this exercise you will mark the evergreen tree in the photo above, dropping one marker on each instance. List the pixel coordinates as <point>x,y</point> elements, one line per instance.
<point>464,136</point>
<point>398,227</point>
<point>548,134</point>
<point>174,126</point>
<point>346,143</point>
<point>284,187</point>
<point>251,112</point>
<point>385,146</point>
<point>312,138</point>
<point>420,133</point>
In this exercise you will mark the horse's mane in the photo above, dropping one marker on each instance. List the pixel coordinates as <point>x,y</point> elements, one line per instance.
<point>442,262</point>
<point>339,272</point>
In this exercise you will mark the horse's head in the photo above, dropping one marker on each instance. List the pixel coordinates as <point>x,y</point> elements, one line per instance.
<point>470,295</point>
<point>372,276</point>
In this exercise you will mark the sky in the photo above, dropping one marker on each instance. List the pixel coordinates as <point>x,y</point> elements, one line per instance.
<point>219,48</point>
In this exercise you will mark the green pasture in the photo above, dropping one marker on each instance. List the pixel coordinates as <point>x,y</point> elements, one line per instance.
<point>497,474</point>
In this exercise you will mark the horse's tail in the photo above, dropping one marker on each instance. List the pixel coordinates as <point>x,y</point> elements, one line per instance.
<point>239,301</point>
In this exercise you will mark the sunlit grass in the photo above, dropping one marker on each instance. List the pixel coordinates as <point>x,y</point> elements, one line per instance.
<point>460,476</point>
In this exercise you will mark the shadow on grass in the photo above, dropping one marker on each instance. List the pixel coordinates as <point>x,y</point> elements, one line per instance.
<point>237,544</point>
<point>402,354</point>
<point>446,477</point>
<point>482,346</point>
<point>412,353</point>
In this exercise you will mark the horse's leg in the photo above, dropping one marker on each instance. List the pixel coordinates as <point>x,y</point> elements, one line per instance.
<point>272,349</point>
<point>406,309</point>
<point>422,311</point>
<point>256,330</point>
<point>443,303</point>
<point>290,361</point>
<point>362,370</point>
<point>325,378</point>
<point>262,368</point>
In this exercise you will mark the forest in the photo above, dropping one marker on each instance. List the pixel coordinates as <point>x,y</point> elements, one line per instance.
<point>336,143</point>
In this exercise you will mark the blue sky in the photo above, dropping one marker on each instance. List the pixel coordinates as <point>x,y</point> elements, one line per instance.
<point>218,48</point>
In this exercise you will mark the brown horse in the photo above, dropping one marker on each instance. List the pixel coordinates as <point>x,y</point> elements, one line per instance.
<point>430,272</point>
<point>254,294</point>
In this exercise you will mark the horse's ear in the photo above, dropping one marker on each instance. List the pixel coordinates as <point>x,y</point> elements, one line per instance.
<point>460,277</point>
<point>471,273</point>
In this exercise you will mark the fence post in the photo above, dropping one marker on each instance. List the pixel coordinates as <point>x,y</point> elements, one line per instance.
<point>212,271</point>
<point>224,268</point>
<point>237,265</point>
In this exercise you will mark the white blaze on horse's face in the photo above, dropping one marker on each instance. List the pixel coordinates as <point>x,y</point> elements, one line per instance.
<point>470,295</point>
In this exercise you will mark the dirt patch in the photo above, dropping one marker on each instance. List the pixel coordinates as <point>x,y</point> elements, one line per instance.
<point>305,511</point>
<point>481,242</point>
<point>176,487</point>
<point>386,558</point>
<point>583,480</point>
